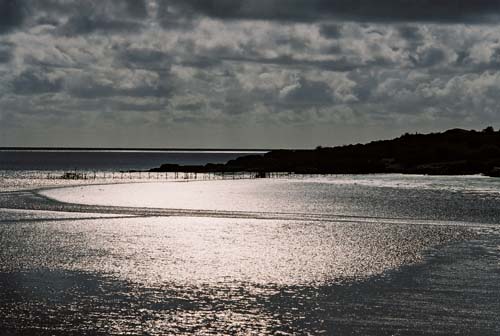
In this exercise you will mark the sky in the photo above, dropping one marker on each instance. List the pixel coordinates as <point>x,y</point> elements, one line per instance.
<point>244,74</point>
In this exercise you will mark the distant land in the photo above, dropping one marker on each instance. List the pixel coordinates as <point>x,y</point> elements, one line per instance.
<point>453,152</point>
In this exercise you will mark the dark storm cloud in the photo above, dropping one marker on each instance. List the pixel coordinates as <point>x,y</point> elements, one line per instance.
<point>12,14</point>
<point>178,16</point>
<point>5,52</point>
<point>341,64</point>
<point>355,10</point>
<point>80,25</point>
<point>410,33</point>
<point>76,17</point>
<point>332,31</point>
<point>323,63</point>
<point>90,16</point>
<point>5,55</point>
<point>47,20</point>
<point>92,90</point>
<point>115,8</point>
<point>136,8</point>
<point>32,82</point>
<point>100,91</point>
<point>145,58</point>
<point>201,62</point>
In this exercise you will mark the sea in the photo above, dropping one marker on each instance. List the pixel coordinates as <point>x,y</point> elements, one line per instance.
<point>382,254</point>
<point>111,160</point>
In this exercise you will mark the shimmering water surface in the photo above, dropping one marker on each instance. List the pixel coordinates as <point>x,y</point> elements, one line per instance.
<point>472,198</point>
<point>364,255</point>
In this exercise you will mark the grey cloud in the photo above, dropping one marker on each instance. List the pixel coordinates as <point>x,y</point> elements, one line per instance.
<point>80,25</point>
<point>292,42</point>
<point>124,105</point>
<point>74,17</point>
<point>355,10</point>
<point>153,59</point>
<point>410,33</point>
<point>90,16</point>
<point>144,58</point>
<point>237,102</point>
<point>470,66</point>
<point>99,91</point>
<point>118,67</point>
<point>5,52</point>
<point>201,62</point>
<point>341,64</point>
<point>5,55</point>
<point>332,31</point>
<point>307,92</point>
<point>32,82</point>
<point>462,58</point>
<point>179,16</point>
<point>113,8</point>
<point>429,57</point>
<point>12,14</point>
<point>495,58</point>
<point>88,89</point>
<point>191,106</point>
<point>364,84</point>
<point>333,49</point>
<point>136,8</point>
<point>192,58</point>
<point>413,96</point>
<point>47,20</point>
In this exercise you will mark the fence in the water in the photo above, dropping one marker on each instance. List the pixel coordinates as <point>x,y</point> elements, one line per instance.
<point>110,175</point>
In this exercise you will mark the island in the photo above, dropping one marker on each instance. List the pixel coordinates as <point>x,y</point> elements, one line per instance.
<point>453,152</point>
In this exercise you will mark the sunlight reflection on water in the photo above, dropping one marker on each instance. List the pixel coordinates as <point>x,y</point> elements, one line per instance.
<point>120,275</point>
<point>415,197</point>
<point>194,274</point>
<point>183,250</point>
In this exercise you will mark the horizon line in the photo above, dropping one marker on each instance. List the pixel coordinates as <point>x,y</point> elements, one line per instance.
<point>21,148</point>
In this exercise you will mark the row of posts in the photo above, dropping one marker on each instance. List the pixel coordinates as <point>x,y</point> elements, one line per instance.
<point>95,175</point>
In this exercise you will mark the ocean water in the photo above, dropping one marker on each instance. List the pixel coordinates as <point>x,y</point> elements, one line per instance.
<point>335,255</point>
<point>472,198</point>
<point>110,160</point>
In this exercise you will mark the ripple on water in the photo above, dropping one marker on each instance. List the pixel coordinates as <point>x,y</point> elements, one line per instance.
<point>192,275</point>
<point>68,273</point>
<point>198,250</point>
<point>447,199</point>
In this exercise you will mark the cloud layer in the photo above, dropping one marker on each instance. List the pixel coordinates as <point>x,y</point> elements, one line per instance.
<point>240,73</point>
<point>352,10</point>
